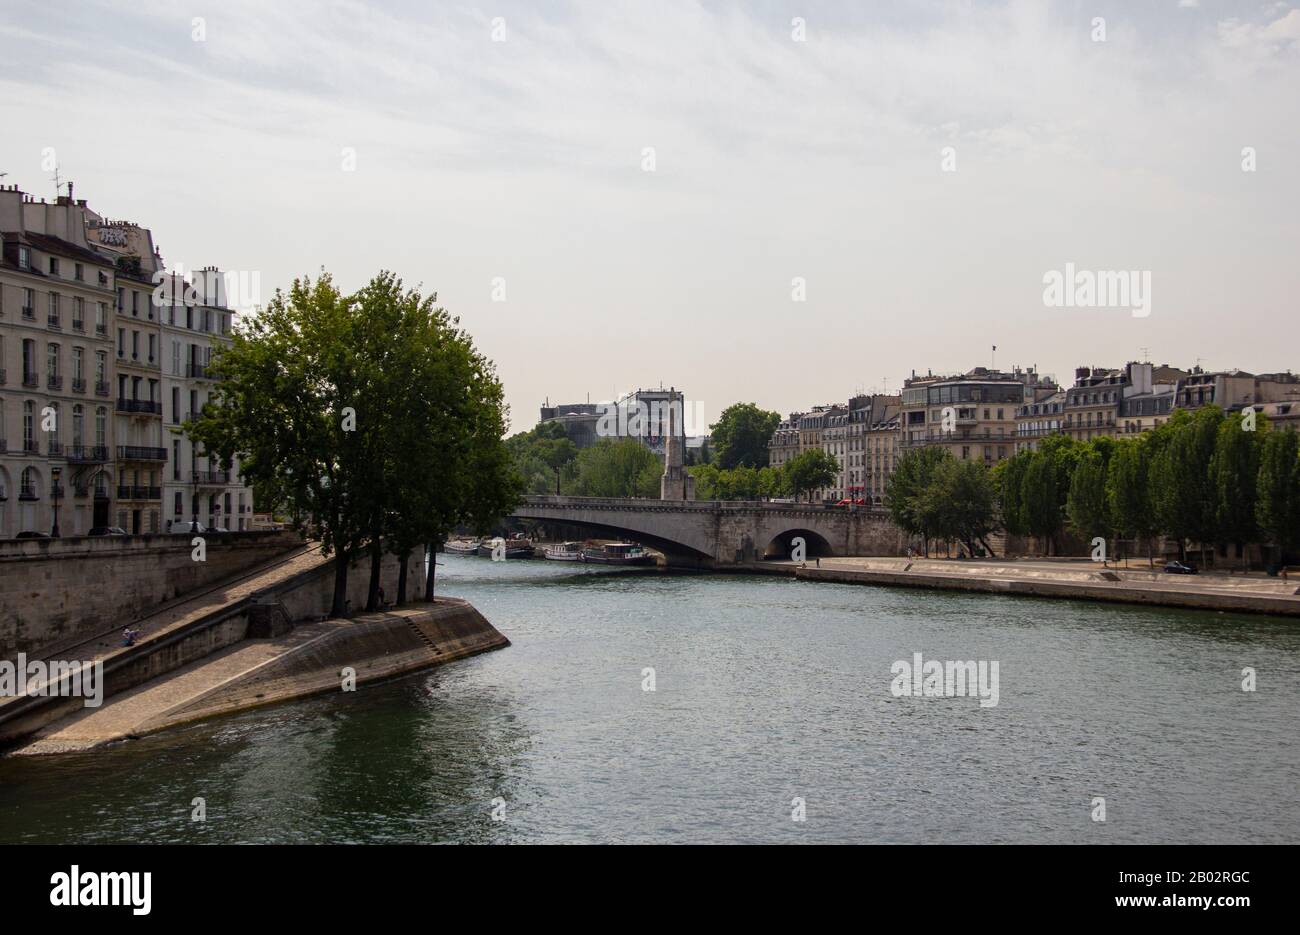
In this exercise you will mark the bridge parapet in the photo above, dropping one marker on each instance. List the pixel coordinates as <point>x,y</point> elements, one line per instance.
<point>714,532</point>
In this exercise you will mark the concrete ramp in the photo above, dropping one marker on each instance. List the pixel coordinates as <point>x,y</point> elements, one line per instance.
<point>306,661</point>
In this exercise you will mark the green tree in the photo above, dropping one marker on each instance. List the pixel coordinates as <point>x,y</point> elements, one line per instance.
<point>741,434</point>
<point>1086,504</point>
<point>959,502</point>
<point>906,492</point>
<point>1277,504</point>
<point>1182,490</point>
<point>283,384</point>
<point>540,454</point>
<point>618,468</point>
<point>1008,480</point>
<point>1040,500</point>
<point>1234,471</point>
<point>1128,494</point>
<point>811,470</point>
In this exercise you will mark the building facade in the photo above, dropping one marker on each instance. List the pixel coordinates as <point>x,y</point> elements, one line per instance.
<point>83,437</point>
<point>972,415</point>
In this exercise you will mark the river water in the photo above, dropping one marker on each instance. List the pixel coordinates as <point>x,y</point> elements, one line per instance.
<point>767,691</point>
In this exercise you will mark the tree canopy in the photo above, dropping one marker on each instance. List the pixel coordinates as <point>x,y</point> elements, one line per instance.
<point>370,415</point>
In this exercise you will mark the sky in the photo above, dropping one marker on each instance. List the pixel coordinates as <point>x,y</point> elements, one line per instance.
<point>777,202</point>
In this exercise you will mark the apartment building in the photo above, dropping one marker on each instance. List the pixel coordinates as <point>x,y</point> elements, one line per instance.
<point>812,427</point>
<point>56,431</point>
<point>867,430</point>
<point>973,415</point>
<point>82,433</point>
<point>784,443</point>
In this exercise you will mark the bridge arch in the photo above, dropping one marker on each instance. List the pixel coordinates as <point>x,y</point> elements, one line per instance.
<point>815,544</point>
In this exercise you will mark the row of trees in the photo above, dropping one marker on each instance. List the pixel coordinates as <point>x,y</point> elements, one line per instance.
<point>1201,477</point>
<point>1205,476</point>
<point>803,473</point>
<point>370,415</point>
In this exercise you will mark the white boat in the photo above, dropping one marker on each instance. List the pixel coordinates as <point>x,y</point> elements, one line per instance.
<point>565,552</point>
<point>461,546</point>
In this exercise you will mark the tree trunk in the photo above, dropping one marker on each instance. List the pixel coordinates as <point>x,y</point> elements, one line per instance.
<point>376,561</point>
<point>339,607</point>
<point>403,559</point>
<point>433,565</point>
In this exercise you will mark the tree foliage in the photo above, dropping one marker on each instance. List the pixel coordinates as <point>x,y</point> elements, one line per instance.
<point>369,415</point>
<point>741,434</point>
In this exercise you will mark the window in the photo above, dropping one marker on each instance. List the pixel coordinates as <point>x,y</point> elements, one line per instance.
<point>52,362</point>
<point>54,266</point>
<point>29,303</point>
<point>176,404</point>
<point>176,358</point>
<point>135,343</point>
<point>121,342</point>
<point>153,348</point>
<point>101,427</point>
<point>24,257</point>
<point>176,466</point>
<point>79,313</point>
<point>135,303</point>
<point>178,504</point>
<point>101,365</point>
<point>79,272</point>
<point>29,425</point>
<point>77,354</point>
<point>28,490</point>
<point>29,362</point>
<point>78,425</point>
<point>54,308</point>
<point>101,318</point>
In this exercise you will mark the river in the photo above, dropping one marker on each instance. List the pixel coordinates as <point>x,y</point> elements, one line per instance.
<point>772,702</point>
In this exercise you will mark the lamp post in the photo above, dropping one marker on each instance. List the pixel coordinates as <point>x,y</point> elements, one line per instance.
<point>55,474</point>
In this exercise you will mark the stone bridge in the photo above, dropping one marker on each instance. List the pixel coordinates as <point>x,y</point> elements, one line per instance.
<point>709,533</point>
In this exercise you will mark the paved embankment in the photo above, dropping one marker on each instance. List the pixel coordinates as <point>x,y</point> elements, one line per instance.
<point>307,660</point>
<point>1062,579</point>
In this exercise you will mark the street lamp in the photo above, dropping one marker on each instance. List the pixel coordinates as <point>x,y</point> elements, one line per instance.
<point>55,473</point>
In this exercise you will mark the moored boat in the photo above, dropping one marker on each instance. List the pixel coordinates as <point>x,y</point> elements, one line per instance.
<point>617,553</point>
<point>565,552</point>
<point>514,548</point>
<point>461,546</point>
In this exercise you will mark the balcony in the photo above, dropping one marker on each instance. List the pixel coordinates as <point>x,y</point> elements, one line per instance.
<point>211,478</point>
<point>79,324</point>
<point>27,492</point>
<point>136,492</point>
<point>54,322</point>
<point>101,388</point>
<point>31,446</point>
<point>29,313</point>
<point>54,383</point>
<point>140,453</point>
<point>197,371</point>
<point>78,385</point>
<point>54,449</point>
<point>141,406</point>
<point>31,380</point>
<point>101,328</point>
<point>87,454</point>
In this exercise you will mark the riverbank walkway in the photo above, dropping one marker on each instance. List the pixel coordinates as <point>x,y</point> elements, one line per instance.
<point>1081,579</point>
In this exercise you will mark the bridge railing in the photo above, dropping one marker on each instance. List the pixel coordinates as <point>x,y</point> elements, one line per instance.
<point>703,506</point>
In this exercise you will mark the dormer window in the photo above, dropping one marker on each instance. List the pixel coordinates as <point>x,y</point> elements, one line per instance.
<point>54,266</point>
<point>24,257</point>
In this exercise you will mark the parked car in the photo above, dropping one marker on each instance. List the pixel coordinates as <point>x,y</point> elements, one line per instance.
<point>1178,568</point>
<point>32,534</point>
<point>108,531</point>
<point>187,528</point>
